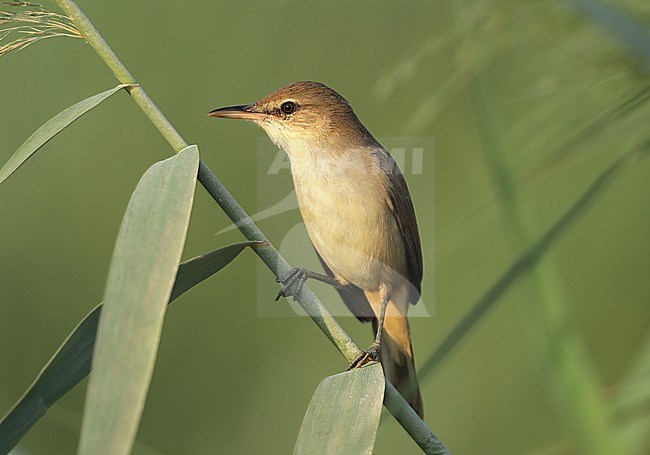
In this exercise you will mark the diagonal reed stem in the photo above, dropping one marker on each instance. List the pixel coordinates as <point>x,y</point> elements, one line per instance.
<point>402,412</point>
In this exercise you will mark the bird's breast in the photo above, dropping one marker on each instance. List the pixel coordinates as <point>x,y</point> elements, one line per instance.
<point>343,205</point>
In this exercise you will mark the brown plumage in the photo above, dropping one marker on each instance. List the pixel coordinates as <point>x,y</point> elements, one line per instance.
<point>357,211</point>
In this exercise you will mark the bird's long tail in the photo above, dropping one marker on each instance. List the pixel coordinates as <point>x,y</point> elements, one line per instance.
<point>397,359</point>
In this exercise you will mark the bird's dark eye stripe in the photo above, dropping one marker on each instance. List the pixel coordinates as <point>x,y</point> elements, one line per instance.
<point>288,107</point>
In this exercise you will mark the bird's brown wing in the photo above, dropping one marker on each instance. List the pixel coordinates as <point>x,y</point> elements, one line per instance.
<point>402,208</point>
<point>352,296</point>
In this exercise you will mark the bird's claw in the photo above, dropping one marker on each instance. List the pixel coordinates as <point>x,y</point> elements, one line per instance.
<point>292,283</point>
<point>370,355</point>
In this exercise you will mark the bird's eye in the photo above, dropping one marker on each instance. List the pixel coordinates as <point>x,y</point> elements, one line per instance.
<point>288,107</point>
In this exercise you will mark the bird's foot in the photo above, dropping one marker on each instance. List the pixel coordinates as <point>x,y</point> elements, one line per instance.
<point>292,283</point>
<point>370,355</point>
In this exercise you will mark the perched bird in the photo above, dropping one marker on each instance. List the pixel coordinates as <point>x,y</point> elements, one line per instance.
<point>358,213</point>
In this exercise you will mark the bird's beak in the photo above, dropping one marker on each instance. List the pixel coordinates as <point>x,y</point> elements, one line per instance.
<point>242,112</point>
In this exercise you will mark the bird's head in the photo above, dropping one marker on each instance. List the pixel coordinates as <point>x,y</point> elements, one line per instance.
<point>303,115</point>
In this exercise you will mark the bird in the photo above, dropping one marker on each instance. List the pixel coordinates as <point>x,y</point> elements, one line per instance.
<point>358,213</point>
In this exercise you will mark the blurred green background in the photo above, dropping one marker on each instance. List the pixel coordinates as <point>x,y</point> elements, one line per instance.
<point>228,378</point>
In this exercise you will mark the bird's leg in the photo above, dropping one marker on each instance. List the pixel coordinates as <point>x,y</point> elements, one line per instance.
<point>292,283</point>
<point>372,353</point>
